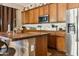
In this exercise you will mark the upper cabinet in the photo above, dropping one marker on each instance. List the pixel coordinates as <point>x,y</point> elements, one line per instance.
<point>31,16</point>
<point>41,11</point>
<point>62,7</point>
<point>52,13</point>
<point>36,15</point>
<point>55,12</point>
<point>25,17</point>
<point>46,9</point>
<point>73,5</point>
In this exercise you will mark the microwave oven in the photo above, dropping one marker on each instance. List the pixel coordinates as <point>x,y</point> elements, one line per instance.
<point>43,19</point>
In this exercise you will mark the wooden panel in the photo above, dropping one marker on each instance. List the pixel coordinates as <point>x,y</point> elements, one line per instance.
<point>36,15</point>
<point>41,50</point>
<point>41,12</point>
<point>46,10</point>
<point>60,33</point>
<point>53,13</point>
<point>11,21</point>
<point>27,17</point>
<point>14,14</point>
<point>52,41</point>
<point>9,15</point>
<point>14,17</point>
<point>31,16</point>
<point>62,7</point>
<point>61,44</point>
<point>5,19</point>
<point>73,5</point>
<point>2,18</point>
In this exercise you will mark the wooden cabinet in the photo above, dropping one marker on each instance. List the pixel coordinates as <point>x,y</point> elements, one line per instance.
<point>60,38</point>
<point>23,17</point>
<point>41,46</point>
<point>41,11</point>
<point>56,40</point>
<point>61,43</point>
<point>46,9</point>
<point>36,15</point>
<point>31,16</point>
<point>53,13</point>
<point>27,17</point>
<point>73,5</point>
<point>62,7</point>
<point>52,41</point>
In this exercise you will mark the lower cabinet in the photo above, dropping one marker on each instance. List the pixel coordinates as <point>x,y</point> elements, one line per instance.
<point>56,42</point>
<point>41,46</point>
<point>60,43</point>
<point>52,41</point>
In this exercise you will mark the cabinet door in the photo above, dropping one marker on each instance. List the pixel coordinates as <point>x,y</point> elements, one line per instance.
<point>73,5</point>
<point>41,46</point>
<point>60,44</point>
<point>52,41</point>
<point>27,17</point>
<point>53,13</point>
<point>31,16</point>
<point>41,11</point>
<point>61,12</point>
<point>46,10</point>
<point>36,15</point>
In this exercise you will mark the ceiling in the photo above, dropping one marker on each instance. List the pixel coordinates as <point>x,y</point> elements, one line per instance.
<point>24,6</point>
<point>30,5</point>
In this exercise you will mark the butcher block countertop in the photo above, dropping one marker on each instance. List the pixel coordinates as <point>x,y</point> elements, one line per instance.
<point>20,36</point>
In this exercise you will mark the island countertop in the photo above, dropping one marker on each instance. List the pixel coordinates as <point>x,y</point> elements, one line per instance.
<point>20,36</point>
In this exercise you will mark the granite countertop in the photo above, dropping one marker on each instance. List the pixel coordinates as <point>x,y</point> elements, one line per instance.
<point>21,36</point>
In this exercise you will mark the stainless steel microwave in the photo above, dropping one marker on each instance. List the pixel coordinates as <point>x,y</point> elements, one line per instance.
<point>43,19</point>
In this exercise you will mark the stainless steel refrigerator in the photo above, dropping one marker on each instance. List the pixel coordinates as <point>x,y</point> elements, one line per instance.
<point>72,31</point>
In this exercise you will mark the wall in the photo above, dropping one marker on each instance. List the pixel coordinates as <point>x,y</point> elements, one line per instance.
<point>18,14</point>
<point>18,18</point>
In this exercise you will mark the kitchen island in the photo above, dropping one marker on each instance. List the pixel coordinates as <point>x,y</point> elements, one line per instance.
<point>28,43</point>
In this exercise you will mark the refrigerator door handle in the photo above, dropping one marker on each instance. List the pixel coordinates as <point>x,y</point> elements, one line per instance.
<point>71,27</point>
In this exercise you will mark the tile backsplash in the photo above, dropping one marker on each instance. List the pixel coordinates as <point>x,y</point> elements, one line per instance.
<point>47,26</point>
